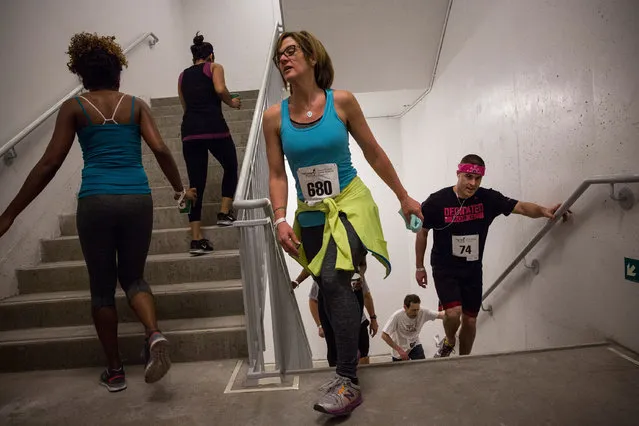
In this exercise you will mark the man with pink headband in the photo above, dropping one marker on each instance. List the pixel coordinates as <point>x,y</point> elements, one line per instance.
<point>460,217</point>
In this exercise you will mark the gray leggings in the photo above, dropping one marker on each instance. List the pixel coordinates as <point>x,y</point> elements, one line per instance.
<point>340,302</point>
<point>115,233</point>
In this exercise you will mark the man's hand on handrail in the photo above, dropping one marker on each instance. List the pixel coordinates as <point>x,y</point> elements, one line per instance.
<point>565,217</point>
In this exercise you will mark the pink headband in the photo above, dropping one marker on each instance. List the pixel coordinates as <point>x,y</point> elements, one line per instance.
<point>471,168</point>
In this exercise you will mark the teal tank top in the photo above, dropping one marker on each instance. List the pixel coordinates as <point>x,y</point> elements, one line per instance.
<point>112,155</point>
<point>322,143</point>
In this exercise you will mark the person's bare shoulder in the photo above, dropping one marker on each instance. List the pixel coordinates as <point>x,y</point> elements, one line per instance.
<point>272,113</point>
<point>343,98</point>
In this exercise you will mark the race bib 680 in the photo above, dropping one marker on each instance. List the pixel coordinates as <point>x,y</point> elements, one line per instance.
<point>318,182</point>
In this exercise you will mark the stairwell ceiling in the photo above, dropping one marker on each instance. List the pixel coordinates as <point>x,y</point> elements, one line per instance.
<point>375,45</point>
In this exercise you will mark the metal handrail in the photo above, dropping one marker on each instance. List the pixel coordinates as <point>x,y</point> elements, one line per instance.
<point>262,258</point>
<point>10,146</point>
<point>632,178</point>
<point>256,125</point>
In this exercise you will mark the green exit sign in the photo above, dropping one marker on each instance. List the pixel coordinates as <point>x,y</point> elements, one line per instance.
<point>631,269</point>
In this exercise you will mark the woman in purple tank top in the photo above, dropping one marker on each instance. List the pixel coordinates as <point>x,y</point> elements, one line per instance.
<point>202,89</point>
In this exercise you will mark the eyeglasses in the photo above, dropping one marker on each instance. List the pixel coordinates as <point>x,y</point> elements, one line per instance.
<point>288,52</point>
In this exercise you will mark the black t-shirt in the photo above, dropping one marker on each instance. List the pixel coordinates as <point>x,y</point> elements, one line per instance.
<point>203,112</point>
<point>461,225</point>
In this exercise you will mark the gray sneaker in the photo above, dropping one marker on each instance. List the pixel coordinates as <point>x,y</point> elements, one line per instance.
<point>157,357</point>
<point>113,380</point>
<point>341,397</point>
<point>329,385</point>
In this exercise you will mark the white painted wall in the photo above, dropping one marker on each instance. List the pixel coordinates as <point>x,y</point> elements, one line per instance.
<point>37,76</point>
<point>35,34</point>
<point>240,31</point>
<point>547,93</point>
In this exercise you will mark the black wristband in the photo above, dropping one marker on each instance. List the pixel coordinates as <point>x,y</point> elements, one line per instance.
<point>373,317</point>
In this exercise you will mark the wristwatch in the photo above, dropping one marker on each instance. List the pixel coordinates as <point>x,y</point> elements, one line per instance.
<point>373,317</point>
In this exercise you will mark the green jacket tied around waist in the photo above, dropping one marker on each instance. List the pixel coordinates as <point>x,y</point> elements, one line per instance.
<point>357,203</point>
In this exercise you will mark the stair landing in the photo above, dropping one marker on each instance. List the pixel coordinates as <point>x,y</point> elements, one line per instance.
<point>577,386</point>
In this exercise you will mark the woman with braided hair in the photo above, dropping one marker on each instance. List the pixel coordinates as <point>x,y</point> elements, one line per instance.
<point>115,208</point>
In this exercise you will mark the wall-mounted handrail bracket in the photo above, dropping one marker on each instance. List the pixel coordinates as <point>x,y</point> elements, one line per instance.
<point>534,266</point>
<point>625,197</point>
<point>488,309</point>
<point>10,156</point>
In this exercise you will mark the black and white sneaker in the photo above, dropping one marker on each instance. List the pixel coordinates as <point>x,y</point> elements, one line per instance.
<point>199,247</point>
<point>225,219</point>
<point>113,380</point>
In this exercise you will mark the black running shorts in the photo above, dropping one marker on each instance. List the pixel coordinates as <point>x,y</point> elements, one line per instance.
<point>459,287</point>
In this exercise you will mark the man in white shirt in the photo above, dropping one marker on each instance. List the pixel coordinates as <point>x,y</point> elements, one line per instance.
<point>401,332</point>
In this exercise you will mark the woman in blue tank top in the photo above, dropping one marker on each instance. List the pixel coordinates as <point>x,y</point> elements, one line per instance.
<point>115,209</point>
<point>337,219</point>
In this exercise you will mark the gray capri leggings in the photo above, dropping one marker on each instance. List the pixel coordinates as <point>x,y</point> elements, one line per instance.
<point>340,302</point>
<point>115,233</point>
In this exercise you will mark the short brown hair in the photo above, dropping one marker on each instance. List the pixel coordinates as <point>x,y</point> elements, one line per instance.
<point>411,298</point>
<point>473,159</point>
<point>312,48</point>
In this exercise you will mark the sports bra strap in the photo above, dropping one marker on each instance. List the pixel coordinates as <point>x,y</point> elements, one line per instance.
<point>112,119</point>
<point>115,111</point>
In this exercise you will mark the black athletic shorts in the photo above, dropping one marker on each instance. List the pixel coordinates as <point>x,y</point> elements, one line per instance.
<point>364,342</point>
<point>459,287</point>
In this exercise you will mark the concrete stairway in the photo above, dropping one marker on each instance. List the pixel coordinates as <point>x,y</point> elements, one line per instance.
<point>199,299</point>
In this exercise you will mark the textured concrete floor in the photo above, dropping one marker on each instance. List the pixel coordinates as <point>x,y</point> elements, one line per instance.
<point>585,386</point>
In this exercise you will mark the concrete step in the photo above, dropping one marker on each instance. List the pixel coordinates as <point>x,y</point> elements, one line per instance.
<point>196,339</point>
<point>160,269</point>
<point>163,241</point>
<point>230,117</point>
<point>173,131</point>
<point>176,108</point>
<point>163,217</point>
<point>175,143</point>
<point>174,100</point>
<point>173,301</point>
<point>149,161</point>
<point>581,387</point>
